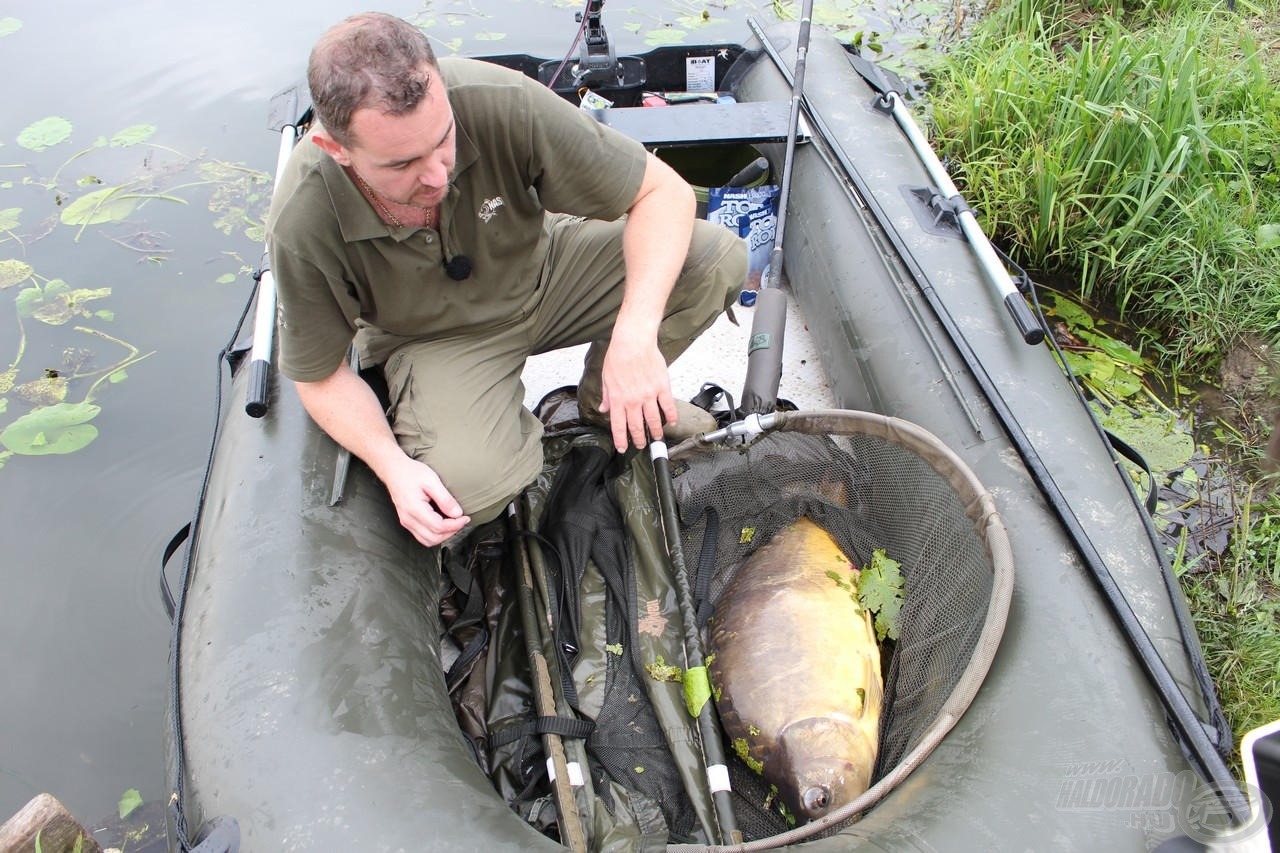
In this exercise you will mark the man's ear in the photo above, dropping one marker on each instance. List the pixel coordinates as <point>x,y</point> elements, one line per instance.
<point>329,146</point>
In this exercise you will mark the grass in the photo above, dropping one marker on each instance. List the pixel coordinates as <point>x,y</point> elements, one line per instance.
<point>1133,150</point>
<point>1236,605</point>
<point>1142,162</point>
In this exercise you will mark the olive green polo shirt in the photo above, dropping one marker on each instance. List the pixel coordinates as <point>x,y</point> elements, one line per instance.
<point>522,151</point>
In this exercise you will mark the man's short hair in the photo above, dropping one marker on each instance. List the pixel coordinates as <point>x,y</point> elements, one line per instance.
<point>371,60</point>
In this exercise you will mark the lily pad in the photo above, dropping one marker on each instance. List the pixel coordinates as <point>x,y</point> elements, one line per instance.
<point>57,302</point>
<point>1071,312</point>
<point>9,218</point>
<point>45,133</point>
<point>13,271</point>
<point>57,429</point>
<point>133,135</point>
<point>664,36</point>
<point>9,26</point>
<point>1163,446</point>
<point>109,204</point>
<point>46,391</point>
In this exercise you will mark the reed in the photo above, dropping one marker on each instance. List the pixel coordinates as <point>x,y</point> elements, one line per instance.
<point>1138,161</point>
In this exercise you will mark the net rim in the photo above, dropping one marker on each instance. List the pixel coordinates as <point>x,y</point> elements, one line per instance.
<point>981,509</point>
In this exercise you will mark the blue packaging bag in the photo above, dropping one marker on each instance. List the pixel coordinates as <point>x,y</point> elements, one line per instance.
<point>752,213</point>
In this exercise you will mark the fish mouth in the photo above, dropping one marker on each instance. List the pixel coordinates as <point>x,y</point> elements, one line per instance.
<point>815,801</point>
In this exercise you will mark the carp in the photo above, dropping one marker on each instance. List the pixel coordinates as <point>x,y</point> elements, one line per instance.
<point>795,670</point>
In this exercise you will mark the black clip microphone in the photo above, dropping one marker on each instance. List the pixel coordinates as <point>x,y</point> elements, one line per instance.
<point>458,267</point>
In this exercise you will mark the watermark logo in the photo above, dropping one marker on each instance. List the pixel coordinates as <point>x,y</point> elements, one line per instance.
<point>1163,804</point>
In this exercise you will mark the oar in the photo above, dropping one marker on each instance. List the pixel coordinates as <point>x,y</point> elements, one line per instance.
<point>764,352</point>
<point>287,112</point>
<point>697,684</point>
<point>890,101</point>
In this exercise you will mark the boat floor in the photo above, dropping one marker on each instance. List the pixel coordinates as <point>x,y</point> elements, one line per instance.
<point>719,355</point>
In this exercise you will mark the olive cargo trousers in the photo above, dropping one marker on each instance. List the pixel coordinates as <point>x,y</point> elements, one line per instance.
<point>457,404</point>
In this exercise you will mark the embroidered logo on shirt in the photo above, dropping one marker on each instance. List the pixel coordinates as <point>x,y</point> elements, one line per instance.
<point>490,207</point>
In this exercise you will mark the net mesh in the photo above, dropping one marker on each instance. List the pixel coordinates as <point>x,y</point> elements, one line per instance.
<point>872,483</point>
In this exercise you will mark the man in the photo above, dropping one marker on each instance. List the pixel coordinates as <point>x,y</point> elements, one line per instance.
<point>455,218</point>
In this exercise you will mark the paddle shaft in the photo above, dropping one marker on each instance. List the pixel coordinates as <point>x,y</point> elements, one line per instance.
<point>264,318</point>
<point>768,327</point>
<point>1028,327</point>
<point>708,730</point>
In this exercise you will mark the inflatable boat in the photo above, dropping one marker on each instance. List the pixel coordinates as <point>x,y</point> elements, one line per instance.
<point>1061,696</point>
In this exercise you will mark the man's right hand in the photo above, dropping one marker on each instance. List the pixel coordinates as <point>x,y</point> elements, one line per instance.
<point>425,507</point>
<point>346,408</point>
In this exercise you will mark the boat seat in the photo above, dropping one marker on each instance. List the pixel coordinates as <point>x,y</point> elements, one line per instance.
<point>704,124</point>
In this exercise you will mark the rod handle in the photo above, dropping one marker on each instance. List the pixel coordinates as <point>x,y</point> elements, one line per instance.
<point>1030,330</point>
<point>259,382</point>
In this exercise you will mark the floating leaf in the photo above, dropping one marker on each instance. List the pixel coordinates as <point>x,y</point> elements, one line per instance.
<point>6,384</point>
<point>226,278</point>
<point>45,133</point>
<point>9,218</point>
<point>130,802</point>
<point>109,204</point>
<point>1155,437</point>
<point>1074,314</point>
<point>118,376</point>
<point>133,135</point>
<point>489,36</point>
<point>1118,350</point>
<point>9,26</point>
<point>57,429</point>
<point>13,271</point>
<point>880,592</point>
<point>664,36</point>
<point>105,314</point>
<point>43,392</point>
<point>57,302</point>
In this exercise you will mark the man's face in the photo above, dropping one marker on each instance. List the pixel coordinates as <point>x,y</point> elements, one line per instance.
<point>409,158</point>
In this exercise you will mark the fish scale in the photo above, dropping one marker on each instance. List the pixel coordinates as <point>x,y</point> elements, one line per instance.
<point>796,670</point>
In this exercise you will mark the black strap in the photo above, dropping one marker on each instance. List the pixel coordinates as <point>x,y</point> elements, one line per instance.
<point>471,616</point>
<point>573,727</point>
<point>170,603</point>
<point>1128,451</point>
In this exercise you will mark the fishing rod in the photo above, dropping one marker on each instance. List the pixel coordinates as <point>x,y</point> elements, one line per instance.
<point>768,328</point>
<point>697,683</point>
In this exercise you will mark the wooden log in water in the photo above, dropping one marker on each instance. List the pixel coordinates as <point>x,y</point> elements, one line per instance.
<point>48,819</point>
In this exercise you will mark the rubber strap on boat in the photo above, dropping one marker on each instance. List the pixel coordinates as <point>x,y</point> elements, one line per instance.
<point>1129,452</point>
<point>166,594</point>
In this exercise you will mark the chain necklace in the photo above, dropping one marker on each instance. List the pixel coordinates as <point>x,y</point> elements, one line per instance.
<point>429,213</point>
